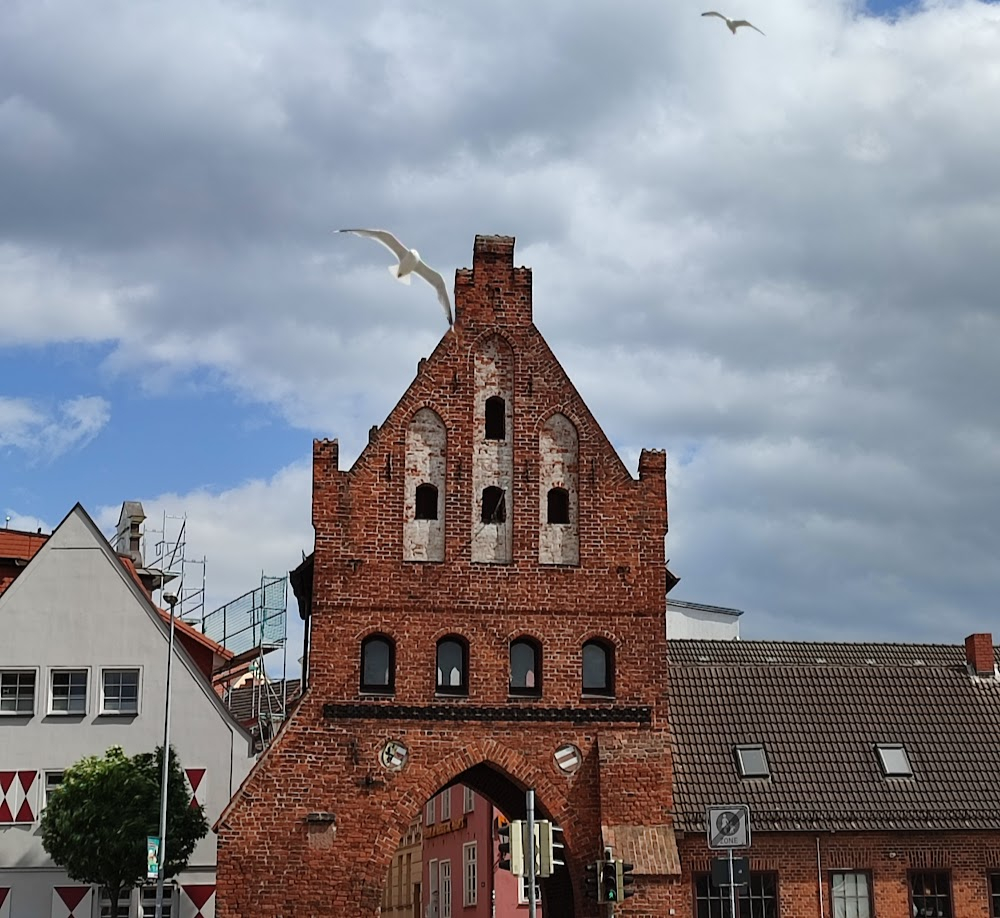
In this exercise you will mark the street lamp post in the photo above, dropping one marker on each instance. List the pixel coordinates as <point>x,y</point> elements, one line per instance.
<point>171,600</point>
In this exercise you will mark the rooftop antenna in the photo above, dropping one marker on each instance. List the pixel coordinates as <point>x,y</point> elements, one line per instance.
<point>6,524</point>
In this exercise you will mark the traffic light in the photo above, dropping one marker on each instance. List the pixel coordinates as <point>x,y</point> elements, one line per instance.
<point>609,879</point>
<point>512,847</point>
<point>625,881</point>
<point>592,881</point>
<point>549,846</point>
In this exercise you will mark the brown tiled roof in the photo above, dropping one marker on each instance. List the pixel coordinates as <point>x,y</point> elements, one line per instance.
<point>819,709</point>
<point>247,701</point>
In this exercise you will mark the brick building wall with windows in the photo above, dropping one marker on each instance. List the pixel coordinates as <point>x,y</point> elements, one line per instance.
<point>485,604</point>
<point>871,772</point>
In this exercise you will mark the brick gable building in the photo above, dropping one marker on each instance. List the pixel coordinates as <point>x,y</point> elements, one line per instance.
<point>486,604</point>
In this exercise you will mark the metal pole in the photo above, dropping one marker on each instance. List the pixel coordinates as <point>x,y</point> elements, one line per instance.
<point>530,800</point>
<point>165,773</point>
<point>732,887</point>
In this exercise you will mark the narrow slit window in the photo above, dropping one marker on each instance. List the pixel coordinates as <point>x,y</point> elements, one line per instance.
<point>558,505</point>
<point>494,505</point>
<point>598,669</point>
<point>427,502</point>
<point>525,667</point>
<point>452,667</point>
<point>496,420</point>
<point>378,664</point>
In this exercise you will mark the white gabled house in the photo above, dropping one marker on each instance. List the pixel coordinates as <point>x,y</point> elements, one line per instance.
<point>83,659</point>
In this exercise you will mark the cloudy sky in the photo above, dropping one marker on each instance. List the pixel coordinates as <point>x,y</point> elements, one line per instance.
<point>776,257</point>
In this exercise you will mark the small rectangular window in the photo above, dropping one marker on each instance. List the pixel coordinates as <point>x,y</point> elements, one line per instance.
<point>470,869</point>
<point>930,894</point>
<point>522,892</point>
<point>52,780</point>
<point>752,761</point>
<point>894,760</point>
<point>17,692</point>
<point>148,899</point>
<point>120,691</point>
<point>757,899</point>
<point>124,903</point>
<point>469,802</point>
<point>429,820</point>
<point>446,805</point>
<point>994,879</point>
<point>850,893</point>
<point>69,691</point>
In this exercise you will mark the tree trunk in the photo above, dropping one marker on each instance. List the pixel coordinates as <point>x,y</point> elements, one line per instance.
<point>116,895</point>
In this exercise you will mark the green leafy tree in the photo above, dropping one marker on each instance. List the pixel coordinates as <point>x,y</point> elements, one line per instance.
<point>95,823</point>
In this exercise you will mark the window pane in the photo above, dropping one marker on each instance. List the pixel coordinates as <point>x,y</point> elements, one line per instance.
<point>522,665</point>
<point>427,502</point>
<point>376,662</point>
<point>449,664</point>
<point>17,693</point>
<point>595,667</point>
<point>69,691</point>
<point>121,691</point>
<point>558,506</point>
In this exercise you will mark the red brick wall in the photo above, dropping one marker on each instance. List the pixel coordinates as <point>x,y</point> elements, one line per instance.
<point>889,857</point>
<point>271,862</point>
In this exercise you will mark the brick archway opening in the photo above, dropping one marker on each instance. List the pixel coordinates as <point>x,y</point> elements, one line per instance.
<point>508,796</point>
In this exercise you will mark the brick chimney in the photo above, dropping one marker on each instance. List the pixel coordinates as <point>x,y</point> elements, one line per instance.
<point>979,654</point>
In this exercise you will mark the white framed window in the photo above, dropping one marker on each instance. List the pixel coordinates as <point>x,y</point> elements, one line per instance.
<point>147,901</point>
<point>446,805</point>
<point>432,886</point>
<point>444,868</point>
<point>850,893</point>
<point>52,780</point>
<point>522,892</point>
<point>469,801</point>
<point>17,692</point>
<point>429,816</point>
<point>120,691</point>
<point>124,902</point>
<point>68,691</point>
<point>470,873</point>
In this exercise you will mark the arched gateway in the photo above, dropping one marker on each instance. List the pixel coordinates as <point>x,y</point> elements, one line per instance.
<point>460,632</point>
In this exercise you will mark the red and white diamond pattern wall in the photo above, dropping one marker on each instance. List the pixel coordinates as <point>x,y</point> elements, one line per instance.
<point>72,901</point>
<point>4,902</point>
<point>16,796</point>
<point>199,785</point>
<point>197,900</point>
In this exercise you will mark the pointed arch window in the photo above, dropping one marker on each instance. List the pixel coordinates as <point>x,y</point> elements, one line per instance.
<point>558,506</point>
<point>525,667</point>
<point>494,505</point>
<point>426,502</point>
<point>452,666</point>
<point>378,664</point>
<point>598,668</point>
<point>496,418</point>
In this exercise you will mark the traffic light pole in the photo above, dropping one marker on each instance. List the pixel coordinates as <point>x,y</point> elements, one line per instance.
<point>530,854</point>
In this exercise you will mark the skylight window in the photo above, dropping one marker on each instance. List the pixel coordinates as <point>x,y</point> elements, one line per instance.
<point>895,763</point>
<point>752,761</point>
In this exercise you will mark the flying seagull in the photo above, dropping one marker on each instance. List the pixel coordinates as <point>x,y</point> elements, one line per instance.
<point>733,24</point>
<point>409,263</point>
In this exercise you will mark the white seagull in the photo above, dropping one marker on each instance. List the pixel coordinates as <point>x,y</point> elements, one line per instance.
<point>409,263</point>
<point>733,24</point>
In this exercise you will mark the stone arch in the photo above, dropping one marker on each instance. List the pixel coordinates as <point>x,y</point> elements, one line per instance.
<point>426,464</point>
<point>558,470</point>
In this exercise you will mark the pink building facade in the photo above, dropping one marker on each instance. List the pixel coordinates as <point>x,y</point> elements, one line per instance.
<point>460,854</point>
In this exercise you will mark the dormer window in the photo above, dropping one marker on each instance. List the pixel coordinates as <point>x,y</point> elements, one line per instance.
<point>894,760</point>
<point>752,761</point>
<point>426,502</point>
<point>496,418</point>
